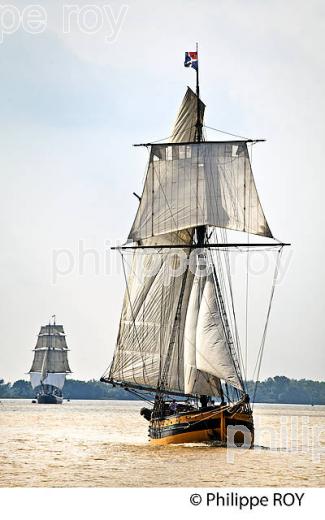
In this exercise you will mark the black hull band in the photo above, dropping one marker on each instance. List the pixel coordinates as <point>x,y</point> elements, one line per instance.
<point>49,399</point>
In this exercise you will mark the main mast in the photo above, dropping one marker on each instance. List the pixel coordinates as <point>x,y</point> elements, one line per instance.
<point>200,238</point>
<point>198,113</point>
<point>200,230</point>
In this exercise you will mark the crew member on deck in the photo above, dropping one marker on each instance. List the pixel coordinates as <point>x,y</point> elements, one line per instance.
<point>173,406</point>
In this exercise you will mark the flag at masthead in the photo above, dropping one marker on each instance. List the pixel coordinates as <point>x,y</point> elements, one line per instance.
<point>192,60</point>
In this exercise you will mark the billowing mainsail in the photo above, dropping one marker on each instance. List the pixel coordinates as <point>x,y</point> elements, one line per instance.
<point>199,184</point>
<point>50,363</point>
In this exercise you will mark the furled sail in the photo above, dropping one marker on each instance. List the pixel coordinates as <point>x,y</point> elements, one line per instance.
<point>50,363</point>
<point>199,184</point>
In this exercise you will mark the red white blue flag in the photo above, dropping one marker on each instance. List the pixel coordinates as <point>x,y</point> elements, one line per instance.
<point>191,60</point>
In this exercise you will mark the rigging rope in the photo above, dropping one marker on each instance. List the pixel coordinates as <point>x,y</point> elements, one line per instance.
<point>231,309</point>
<point>261,349</point>
<point>132,391</point>
<point>247,263</point>
<point>224,132</point>
<point>204,126</point>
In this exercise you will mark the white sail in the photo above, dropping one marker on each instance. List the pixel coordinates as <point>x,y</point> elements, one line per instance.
<point>56,360</point>
<point>212,350</point>
<point>35,379</point>
<point>157,337</point>
<point>185,125</point>
<point>56,334</point>
<point>190,372</point>
<point>51,379</point>
<point>148,316</point>
<point>44,366</point>
<point>196,381</point>
<point>151,301</point>
<point>199,184</point>
<point>50,364</point>
<point>146,326</point>
<point>55,380</point>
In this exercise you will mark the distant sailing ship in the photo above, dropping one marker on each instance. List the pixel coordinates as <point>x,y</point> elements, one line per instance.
<point>175,337</point>
<point>50,365</point>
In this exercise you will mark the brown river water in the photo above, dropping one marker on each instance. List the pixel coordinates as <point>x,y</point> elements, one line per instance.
<point>104,444</point>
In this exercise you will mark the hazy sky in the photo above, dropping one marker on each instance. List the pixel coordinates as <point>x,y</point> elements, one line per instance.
<point>71,106</point>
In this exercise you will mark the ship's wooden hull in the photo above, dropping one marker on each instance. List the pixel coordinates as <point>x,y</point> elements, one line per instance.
<point>49,399</point>
<point>220,427</point>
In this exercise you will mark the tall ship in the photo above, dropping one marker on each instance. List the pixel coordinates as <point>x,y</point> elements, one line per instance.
<point>50,365</point>
<point>178,345</point>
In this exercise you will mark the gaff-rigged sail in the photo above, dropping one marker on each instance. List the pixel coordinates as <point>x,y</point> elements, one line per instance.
<point>50,363</point>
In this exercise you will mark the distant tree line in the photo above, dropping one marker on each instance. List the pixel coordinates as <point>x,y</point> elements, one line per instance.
<point>277,390</point>
<point>281,389</point>
<point>73,389</point>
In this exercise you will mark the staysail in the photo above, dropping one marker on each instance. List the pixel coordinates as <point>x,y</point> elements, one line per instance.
<point>196,381</point>
<point>50,363</point>
<point>172,333</point>
<point>212,350</point>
